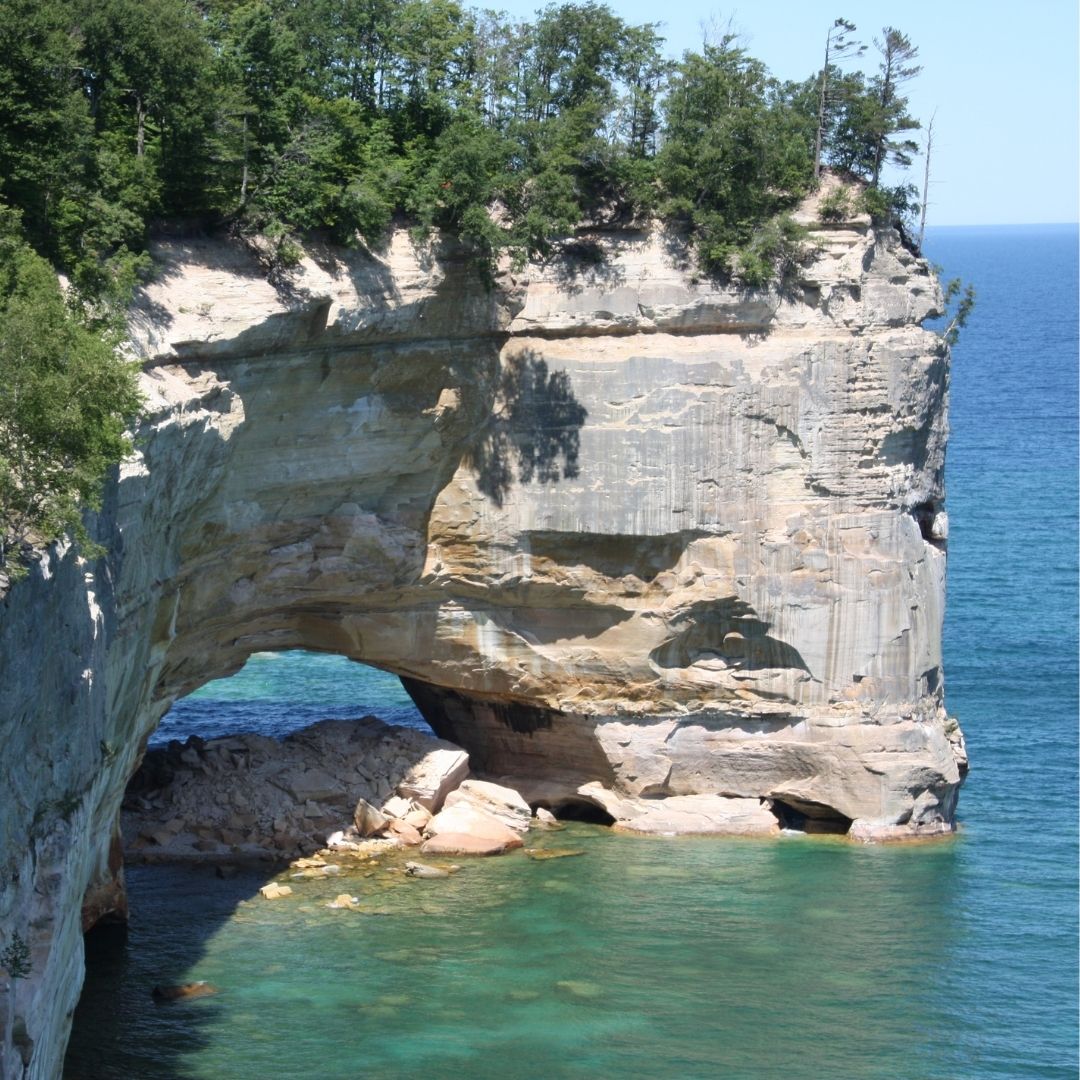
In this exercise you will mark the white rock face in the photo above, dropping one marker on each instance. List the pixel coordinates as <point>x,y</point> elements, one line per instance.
<point>624,529</point>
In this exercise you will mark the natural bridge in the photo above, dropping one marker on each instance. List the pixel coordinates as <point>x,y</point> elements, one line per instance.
<point>615,527</point>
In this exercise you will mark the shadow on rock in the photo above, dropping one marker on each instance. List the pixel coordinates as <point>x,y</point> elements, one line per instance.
<point>533,432</point>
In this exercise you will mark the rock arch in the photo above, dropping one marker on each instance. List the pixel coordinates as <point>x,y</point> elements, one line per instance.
<point>680,565</point>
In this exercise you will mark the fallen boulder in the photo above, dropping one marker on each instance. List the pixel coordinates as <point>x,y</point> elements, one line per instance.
<point>422,870</point>
<point>502,803</point>
<point>430,780</point>
<point>368,820</point>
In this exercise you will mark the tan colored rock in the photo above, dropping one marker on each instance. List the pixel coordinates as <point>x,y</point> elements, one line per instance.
<point>698,815</point>
<point>397,807</point>
<point>404,832</point>
<point>464,820</point>
<point>418,818</point>
<point>468,844</point>
<point>432,779</point>
<point>502,803</point>
<point>726,574</point>
<point>344,900</point>
<point>368,820</point>
<point>274,891</point>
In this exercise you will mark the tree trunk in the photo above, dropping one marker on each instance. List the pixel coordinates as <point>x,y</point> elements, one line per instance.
<point>926,180</point>
<point>140,132</point>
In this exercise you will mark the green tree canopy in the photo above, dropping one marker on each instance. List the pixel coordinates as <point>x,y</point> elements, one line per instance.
<point>65,397</point>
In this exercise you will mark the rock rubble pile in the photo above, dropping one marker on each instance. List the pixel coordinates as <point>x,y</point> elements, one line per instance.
<point>337,784</point>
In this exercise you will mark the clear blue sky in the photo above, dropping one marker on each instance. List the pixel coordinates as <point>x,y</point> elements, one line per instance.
<point>1002,77</point>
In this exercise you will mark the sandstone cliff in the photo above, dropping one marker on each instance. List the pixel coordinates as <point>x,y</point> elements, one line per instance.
<point>628,537</point>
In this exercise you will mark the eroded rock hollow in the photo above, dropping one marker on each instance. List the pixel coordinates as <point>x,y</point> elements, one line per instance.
<point>629,537</point>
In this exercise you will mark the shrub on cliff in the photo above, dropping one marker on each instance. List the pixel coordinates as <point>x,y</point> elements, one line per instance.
<point>65,396</point>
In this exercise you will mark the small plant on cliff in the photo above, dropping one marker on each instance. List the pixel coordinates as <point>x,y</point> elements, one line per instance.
<point>65,397</point>
<point>836,206</point>
<point>964,298</point>
<point>15,958</point>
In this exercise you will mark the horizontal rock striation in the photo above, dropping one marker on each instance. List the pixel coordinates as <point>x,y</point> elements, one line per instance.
<point>626,534</point>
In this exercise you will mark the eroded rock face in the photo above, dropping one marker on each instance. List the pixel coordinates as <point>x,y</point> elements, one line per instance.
<point>617,528</point>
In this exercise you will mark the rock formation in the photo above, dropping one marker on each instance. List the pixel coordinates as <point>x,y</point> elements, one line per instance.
<point>628,536</point>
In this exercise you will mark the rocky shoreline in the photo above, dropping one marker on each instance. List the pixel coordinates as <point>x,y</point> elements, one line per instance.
<point>339,785</point>
<point>360,786</point>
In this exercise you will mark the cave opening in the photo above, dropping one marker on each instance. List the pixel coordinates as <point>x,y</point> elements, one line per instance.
<point>577,810</point>
<point>799,815</point>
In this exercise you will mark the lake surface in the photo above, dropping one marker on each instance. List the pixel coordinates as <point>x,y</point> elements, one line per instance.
<point>796,958</point>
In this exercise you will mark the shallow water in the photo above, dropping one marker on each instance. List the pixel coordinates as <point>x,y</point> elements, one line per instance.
<point>796,958</point>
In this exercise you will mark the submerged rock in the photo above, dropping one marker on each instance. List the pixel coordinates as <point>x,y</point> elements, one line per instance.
<point>183,991</point>
<point>422,870</point>
<point>274,891</point>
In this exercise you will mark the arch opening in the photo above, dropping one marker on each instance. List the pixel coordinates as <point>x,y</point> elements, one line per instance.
<point>279,693</point>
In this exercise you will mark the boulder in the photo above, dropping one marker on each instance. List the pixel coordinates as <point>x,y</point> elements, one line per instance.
<point>344,900</point>
<point>545,817</point>
<point>466,819</point>
<point>463,829</point>
<point>436,774</point>
<point>397,806</point>
<point>369,820</point>
<point>404,832</point>
<point>418,817</point>
<point>464,844</point>
<point>502,803</point>
<point>422,870</point>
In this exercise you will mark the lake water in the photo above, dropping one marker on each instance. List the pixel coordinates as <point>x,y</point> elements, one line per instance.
<point>796,958</point>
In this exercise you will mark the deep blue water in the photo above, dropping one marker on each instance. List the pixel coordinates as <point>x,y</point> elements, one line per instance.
<point>799,959</point>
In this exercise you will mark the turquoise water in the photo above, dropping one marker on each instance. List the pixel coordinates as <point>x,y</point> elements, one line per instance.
<point>276,693</point>
<point>796,958</point>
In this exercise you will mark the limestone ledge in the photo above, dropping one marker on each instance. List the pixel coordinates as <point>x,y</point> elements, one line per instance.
<point>615,525</point>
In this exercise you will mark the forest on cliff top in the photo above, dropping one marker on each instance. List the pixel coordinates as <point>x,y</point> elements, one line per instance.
<point>272,120</point>
<point>283,117</point>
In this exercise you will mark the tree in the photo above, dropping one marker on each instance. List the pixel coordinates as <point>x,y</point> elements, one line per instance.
<point>15,960</point>
<point>896,68</point>
<point>65,398</point>
<point>838,47</point>
<point>926,181</point>
<point>735,155</point>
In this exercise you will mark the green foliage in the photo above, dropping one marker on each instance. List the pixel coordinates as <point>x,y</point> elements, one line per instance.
<point>836,206</point>
<point>65,396</point>
<point>15,957</point>
<point>890,205</point>
<point>772,253</point>
<point>277,118</point>
<point>734,158</point>
<point>959,302</point>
